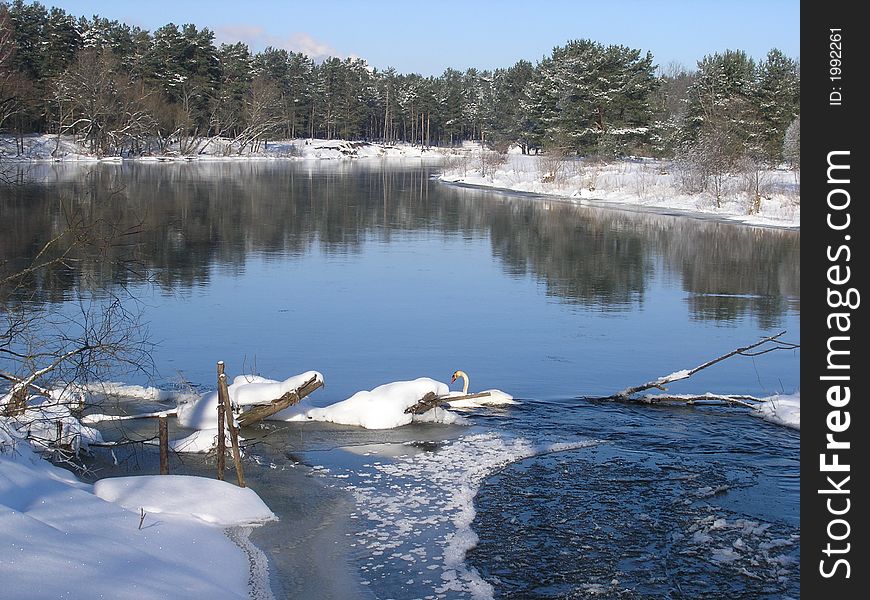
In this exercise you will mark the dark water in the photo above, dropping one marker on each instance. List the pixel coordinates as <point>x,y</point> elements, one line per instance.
<point>372,273</point>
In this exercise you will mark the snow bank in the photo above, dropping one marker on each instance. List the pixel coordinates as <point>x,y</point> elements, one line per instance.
<point>245,390</point>
<point>216,502</point>
<point>641,183</point>
<point>782,410</point>
<point>40,423</point>
<point>200,441</point>
<point>60,539</point>
<point>48,148</point>
<point>380,408</point>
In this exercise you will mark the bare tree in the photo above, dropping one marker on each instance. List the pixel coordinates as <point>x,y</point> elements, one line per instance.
<point>47,347</point>
<point>102,105</point>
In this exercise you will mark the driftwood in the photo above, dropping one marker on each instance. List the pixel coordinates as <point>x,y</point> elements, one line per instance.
<point>762,346</point>
<point>17,403</point>
<point>427,402</point>
<point>430,401</point>
<point>262,411</point>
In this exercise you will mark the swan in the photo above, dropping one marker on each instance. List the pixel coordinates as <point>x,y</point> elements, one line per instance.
<point>495,397</point>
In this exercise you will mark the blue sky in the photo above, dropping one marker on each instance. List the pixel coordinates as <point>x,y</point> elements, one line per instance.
<point>427,37</point>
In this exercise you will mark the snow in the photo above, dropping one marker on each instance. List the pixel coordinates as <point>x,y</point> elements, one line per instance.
<point>60,538</point>
<point>183,495</point>
<point>641,183</point>
<point>782,410</point>
<point>40,423</point>
<point>246,390</point>
<point>200,441</point>
<point>380,408</point>
<point>415,512</point>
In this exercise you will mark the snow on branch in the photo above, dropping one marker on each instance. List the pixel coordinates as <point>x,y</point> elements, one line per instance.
<point>762,346</point>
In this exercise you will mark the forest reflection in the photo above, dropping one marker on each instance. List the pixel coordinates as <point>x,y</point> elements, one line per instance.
<point>192,218</point>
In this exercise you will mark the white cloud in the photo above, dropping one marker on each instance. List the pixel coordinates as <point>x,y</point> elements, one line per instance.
<point>258,38</point>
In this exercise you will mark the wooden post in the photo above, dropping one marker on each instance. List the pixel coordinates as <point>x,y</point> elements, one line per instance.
<point>163,434</point>
<point>221,443</point>
<point>224,398</point>
<point>59,426</point>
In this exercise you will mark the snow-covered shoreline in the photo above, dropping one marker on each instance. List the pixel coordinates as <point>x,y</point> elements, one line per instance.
<point>642,184</point>
<point>769,198</point>
<point>65,538</point>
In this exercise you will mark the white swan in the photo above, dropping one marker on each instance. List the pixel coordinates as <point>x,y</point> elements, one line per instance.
<point>495,397</point>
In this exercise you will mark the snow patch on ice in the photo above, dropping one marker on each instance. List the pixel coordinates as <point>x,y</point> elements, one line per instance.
<point>782,410</point>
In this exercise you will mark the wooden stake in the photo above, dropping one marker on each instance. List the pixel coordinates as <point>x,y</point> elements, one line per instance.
<point>163,434</point>
<point>224,398</point>
<point>221,443</point>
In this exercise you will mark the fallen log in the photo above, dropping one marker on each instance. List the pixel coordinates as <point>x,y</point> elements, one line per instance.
<point>428,402</point>
<point>701,399</point>
<point>431,400</point>
<point>262,411</point>
<point>449,399</point>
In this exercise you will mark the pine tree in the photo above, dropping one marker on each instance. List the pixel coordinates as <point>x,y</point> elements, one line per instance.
<point>777,97</point>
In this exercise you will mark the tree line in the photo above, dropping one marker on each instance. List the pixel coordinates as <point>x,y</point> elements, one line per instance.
<point>122,90</point>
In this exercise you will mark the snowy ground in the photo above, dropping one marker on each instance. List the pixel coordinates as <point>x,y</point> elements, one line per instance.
<point>644,183</point>
<point>61,538</point>
<point>49,148</point>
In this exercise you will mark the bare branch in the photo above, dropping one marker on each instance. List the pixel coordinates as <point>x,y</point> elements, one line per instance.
<point>628,393</point>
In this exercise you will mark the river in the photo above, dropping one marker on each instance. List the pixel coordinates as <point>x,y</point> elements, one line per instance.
<point>372,272</point>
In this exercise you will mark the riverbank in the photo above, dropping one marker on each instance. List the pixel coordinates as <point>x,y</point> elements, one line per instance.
<point>764,198</point>
<point>767,198</point>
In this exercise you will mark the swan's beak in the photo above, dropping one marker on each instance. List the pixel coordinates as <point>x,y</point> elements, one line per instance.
<point>453,378</point>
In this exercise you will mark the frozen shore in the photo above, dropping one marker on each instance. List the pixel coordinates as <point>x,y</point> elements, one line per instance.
<point>766,198</point>
<point>769,198</point>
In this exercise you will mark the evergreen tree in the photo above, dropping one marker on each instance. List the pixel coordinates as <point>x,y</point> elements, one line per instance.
<point>228,99</point>
<point>777,98</point>
<point>587,92</point>
<point>509,88</point>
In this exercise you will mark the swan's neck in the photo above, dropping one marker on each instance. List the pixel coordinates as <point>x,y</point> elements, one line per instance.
<point>465,382</point>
